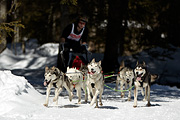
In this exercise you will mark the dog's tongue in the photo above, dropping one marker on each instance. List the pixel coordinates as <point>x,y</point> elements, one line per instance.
<point>91,73</point>
<point>45,83</point>
<point>138,78</point>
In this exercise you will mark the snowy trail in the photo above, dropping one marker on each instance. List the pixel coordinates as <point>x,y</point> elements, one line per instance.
<point>165,105</point>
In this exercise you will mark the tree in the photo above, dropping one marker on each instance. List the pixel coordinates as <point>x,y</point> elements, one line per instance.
<point>115,33</point>
<point>173,25</point>
<point>8,27</point>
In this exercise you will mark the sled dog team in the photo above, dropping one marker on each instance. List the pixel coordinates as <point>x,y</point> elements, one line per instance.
<point>91,80</point>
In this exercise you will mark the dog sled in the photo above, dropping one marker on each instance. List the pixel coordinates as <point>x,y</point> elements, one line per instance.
<point>75,58</point>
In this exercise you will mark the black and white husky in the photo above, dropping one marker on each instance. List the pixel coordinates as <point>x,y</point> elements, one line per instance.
<point>55,78</point>
<point>95,82</point>
<point>143,79</point>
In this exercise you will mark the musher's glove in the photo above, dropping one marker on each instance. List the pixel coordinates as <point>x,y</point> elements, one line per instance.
<point>85,47</point>
<point>61,47</point>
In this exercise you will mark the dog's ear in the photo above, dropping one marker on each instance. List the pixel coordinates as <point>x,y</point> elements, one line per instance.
<point>137,63</point>
<point>58,71</point>
<point>99,63</point>
<point>93,60</point>
<point>122,65</point>
<point>144,64</point>
<point>53,68</point>
<point>46,68</point>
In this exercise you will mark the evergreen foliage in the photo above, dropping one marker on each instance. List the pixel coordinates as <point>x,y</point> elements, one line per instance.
<point>123,26</point>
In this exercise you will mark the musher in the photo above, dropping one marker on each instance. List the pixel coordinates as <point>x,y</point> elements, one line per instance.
<point>74,38</point>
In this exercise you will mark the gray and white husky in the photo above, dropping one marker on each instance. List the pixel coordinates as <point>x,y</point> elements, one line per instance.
<point>143,79</point>
<point>55,78</point>
<point>125,77</point>
<point>95,82</point>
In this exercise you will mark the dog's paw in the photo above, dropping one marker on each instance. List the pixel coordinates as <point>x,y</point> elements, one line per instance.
<point>79,102</point>
<point>135,106</point>
<point>101,104</point>
<point>144,100</point>
<point>70,96</point>
<point>96,107</point>
<point>46,105</point>
<point>70,99</point>
<point>129,99</point>
<point>148,104</point>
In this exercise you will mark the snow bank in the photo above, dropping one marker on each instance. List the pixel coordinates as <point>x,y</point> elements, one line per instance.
<point>12,90</point>
<point>13,85</point>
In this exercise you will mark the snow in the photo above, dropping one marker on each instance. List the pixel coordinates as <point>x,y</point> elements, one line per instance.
<point>22,93</point>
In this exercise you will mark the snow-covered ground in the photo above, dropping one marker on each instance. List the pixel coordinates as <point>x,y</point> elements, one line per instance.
<point>22,93</point>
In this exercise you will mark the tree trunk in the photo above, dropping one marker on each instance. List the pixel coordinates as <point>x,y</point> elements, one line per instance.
<point>64,21</point>
<point>174,24</point>
<point>115,34</point>
<point>2,19</point>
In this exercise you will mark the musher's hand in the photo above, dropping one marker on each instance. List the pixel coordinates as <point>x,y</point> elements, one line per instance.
<point>84,47</point>
<point>61,48</point>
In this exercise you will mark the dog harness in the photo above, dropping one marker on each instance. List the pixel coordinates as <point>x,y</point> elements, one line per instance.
<point>74,36</point>
<point>98,78</point>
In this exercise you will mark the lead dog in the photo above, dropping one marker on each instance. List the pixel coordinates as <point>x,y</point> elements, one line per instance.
<point>55,78</point>
<point>143,79</point>
<point>95,82</point>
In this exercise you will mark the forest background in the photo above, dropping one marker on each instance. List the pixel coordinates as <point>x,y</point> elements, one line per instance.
<point>116,27</point>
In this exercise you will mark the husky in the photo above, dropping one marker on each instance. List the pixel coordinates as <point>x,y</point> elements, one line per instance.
<point>76,81</point>
<point>84,70</point>
<point>143,79</point>
<point>55,78</point>
<point>129,79</point>
<point>95,82</point>
<point>125,77</point>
